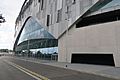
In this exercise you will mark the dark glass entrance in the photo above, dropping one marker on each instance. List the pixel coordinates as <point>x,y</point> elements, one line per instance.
<point>99,59</point>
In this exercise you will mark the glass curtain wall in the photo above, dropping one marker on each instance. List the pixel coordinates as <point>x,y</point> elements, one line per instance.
<point>37,42</point>
<point>110,5</point>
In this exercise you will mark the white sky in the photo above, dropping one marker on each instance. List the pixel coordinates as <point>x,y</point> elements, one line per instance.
<point>10,10</point>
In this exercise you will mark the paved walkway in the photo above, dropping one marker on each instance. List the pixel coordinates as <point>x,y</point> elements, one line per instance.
<point>107,71</point>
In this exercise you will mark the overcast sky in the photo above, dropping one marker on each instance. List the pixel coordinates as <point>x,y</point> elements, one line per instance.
<point>10,10</point>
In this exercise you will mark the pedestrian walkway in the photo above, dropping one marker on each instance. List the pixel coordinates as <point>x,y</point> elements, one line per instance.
<point>106,71</point>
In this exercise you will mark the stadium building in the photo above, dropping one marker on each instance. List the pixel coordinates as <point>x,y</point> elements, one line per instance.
<point>79,31</point>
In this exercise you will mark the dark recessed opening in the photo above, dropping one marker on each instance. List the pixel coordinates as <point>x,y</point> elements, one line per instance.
<point>99,18</point>
<point>99,59</point>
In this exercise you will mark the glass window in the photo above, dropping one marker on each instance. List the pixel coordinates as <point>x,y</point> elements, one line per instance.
<point>31,30</point>
<point>113,3</point>
<point>59,15</point>
<point>59,4</point>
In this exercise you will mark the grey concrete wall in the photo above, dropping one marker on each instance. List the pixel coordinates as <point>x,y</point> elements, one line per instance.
<point>51,7</point>
<point>101,38</point>
<point>95,39</point>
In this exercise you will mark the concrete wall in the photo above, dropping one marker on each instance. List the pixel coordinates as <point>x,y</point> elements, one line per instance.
<point>95,39</point>
<point>51,7</point>
<point>101,38</point>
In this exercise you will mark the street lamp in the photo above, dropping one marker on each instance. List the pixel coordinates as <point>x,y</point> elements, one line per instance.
<point>67,29</point>
<point>27,46</point>
<point>67,35</point>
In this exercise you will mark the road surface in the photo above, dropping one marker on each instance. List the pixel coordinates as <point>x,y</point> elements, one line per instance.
<point>15,69</point>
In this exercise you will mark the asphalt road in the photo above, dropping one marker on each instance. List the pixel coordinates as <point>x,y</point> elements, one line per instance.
<point>14,69</point>
<point>7,72</point>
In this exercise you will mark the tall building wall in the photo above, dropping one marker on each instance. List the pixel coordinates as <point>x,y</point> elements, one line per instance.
<point>62,13</point>
<point>60,18</point>
<point>95,39</point>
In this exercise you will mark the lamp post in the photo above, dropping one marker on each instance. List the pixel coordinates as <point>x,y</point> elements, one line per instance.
<point>27,49</point>
<point>28,45</point>
<point>67,37</point>
<point>67,29</point>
